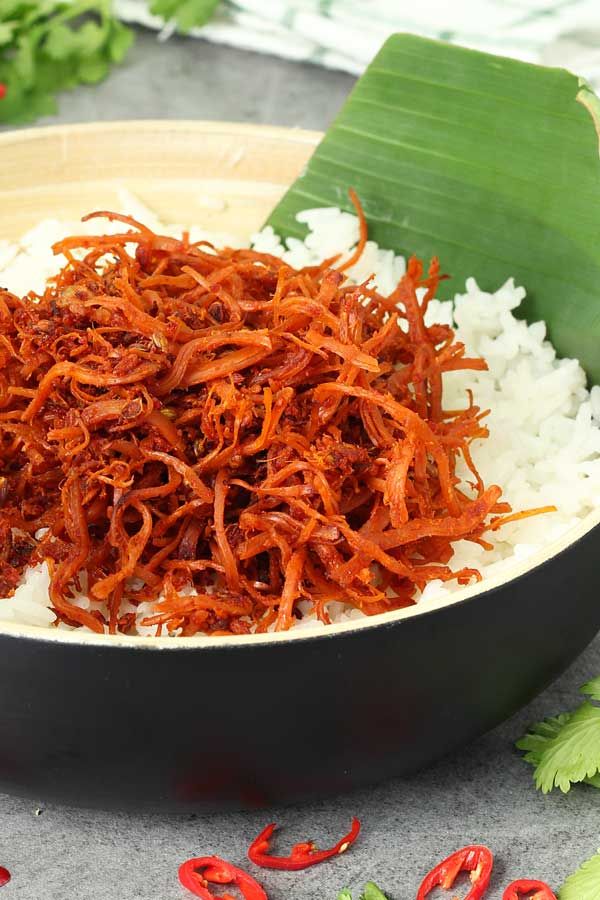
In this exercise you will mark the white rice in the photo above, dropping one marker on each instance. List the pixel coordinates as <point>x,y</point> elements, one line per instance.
<point>544,444</point>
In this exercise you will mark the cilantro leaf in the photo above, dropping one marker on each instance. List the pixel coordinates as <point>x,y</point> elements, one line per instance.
<point>187,13</point>
<point>536,741</point>
<point>63,41</point>
<point>592,689</point>
<point>47,46</point>
<point>584,884</point>
<point>565,750</point>
<point>7,32</point>
<point>573,754</point>
<point>120,40</point>
<point>372,892</point>
<point>593,780</point>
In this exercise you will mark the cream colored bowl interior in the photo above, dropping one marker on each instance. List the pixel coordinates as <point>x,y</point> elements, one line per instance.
<point>220,176</point>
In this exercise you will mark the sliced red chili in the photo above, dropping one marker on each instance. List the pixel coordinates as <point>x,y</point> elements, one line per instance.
<point>526,887</point>
<point>475,859</point>
<point>196,875</point>
<point>4,876</point>
<point>302,855</point>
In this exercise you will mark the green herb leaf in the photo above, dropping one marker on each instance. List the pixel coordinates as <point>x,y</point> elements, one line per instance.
<point>92,70</point>
<point>7,32</point>
<point>592,688</point>
<point>536,741</point>
<point>584,884</point>
<point>187,13</point>
<point>560,748</point>
<point>573,754</point>
<point>52,45</point>
<point>121,39</point>
<point>489,163</point>
<point>372,892</point>
<point>63,42</point>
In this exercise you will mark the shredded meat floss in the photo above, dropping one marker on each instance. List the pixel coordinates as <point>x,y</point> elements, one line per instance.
<point>221,435</point>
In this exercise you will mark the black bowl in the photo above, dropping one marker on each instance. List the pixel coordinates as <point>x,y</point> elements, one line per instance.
<point>248,722</point>
<point>166,723</point>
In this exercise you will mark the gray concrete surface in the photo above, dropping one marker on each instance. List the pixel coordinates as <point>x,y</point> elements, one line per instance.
<point>482,794</point>
<point>191,79</point>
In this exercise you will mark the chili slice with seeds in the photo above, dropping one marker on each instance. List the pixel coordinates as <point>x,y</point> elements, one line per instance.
<point>526,887</point>
<point>196,875</point>
<point>475,859</point>
<point>302,855</point>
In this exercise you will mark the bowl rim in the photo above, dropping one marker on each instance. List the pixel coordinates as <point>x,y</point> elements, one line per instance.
<point>274,132</point>
<point>506,572</point>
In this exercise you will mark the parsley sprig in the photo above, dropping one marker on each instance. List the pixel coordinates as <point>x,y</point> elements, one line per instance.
<point>565,750</point>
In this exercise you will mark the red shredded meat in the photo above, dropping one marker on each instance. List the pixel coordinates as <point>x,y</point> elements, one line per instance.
<point>222,434</point>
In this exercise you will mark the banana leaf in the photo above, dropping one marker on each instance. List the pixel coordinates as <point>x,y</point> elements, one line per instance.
<point>490,163</point>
